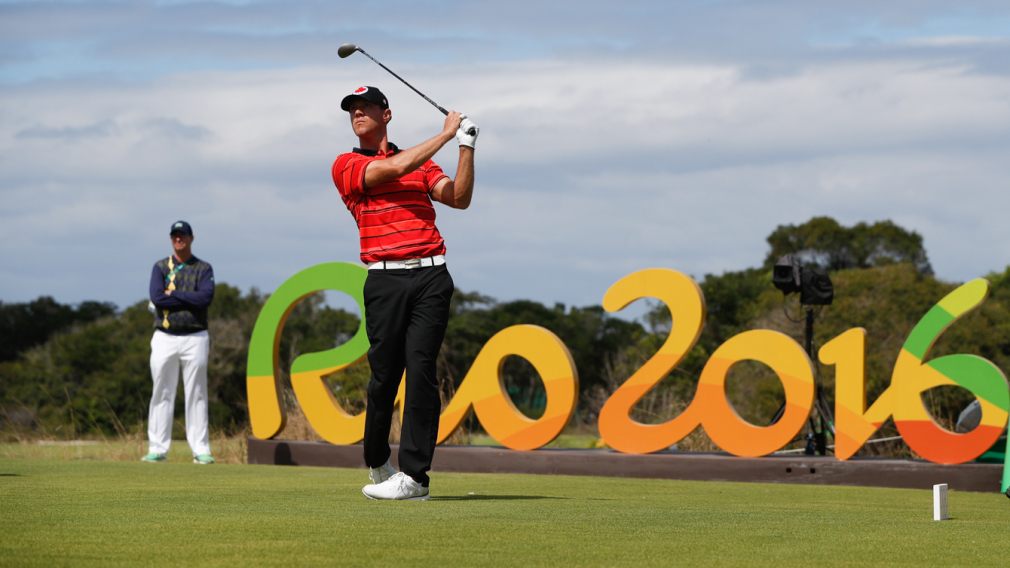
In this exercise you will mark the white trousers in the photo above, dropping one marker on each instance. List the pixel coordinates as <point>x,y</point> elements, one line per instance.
<point>168,352</point>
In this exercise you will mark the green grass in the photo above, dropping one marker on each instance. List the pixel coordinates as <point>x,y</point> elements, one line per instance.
<point>93,513</point>
<point>122,448</point>
<point>562,441</point>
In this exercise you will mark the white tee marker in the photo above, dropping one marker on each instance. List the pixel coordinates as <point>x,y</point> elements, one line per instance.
<point>940,502</point>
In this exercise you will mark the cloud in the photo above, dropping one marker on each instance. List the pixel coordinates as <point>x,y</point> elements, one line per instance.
<point>100,129</point>
<point>614,137</point>
<point>957,40</point>
<point>172,128</point>
<point>586,171</point>
<point>145,39</point>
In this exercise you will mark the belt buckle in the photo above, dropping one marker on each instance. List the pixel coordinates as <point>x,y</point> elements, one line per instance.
<point>412,262</point>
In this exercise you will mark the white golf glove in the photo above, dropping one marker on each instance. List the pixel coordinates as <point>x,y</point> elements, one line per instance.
<point>461,134</point>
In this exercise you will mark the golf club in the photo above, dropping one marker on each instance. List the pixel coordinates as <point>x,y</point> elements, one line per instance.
<point>349,48</point>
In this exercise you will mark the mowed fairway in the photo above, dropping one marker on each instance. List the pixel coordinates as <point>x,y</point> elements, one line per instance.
<point>91,513</point>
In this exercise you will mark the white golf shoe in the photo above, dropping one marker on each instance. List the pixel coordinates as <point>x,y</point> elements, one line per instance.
<point>399,487</point>
<point>381,473</point>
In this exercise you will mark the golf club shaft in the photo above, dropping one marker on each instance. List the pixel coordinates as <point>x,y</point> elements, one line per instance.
<point>436,105</point>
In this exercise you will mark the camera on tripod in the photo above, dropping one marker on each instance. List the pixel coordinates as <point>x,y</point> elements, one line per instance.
<point>816,289</point>
<point>813,284</point>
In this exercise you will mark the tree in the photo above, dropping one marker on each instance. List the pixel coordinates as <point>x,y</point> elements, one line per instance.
<point>823,243</point>
<point>590,333</point>
<point>887,301</point>
<point>26,325</point>
<point>95,377</point>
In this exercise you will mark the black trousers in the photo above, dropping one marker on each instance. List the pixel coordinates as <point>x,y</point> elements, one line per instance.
<point>406,313</point>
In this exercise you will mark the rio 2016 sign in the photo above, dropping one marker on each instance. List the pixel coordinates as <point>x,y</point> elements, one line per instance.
<point>483,391</point>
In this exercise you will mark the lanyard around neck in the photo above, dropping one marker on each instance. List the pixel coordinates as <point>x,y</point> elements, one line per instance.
<point>175,270</point>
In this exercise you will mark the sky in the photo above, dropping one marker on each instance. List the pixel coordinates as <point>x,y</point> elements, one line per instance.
<point>614,136</point>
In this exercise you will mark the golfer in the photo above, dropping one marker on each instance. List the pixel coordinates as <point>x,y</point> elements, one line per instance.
<point>182,287</point>
<point>389,192</point>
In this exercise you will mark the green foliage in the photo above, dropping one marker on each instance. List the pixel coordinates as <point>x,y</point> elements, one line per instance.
<point>883,291</point>
<point>95,379</point>
<point>91,379</point>
<point>822,242</point>
<point>592,336</point>
<point>231,318</point>
<point>29,324</point>
<point>888,302</point>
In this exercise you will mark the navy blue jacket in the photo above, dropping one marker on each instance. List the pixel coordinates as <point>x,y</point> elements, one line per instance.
<point>185,309</point>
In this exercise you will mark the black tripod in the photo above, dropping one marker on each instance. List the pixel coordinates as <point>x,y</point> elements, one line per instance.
<point>816,436</point>
<point>816,289</point>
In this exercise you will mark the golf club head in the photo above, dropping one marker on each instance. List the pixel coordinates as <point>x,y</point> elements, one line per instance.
<point>346,49</point>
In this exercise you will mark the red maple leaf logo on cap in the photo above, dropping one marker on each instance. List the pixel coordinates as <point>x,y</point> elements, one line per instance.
<point>360,90</point>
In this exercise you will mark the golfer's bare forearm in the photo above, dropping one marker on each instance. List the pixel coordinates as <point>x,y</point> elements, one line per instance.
<point>457,193</point>
<point>463,184</point>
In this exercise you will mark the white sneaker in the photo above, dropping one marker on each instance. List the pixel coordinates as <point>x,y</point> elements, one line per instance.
<point>399,487</point>
<point>381,473</point>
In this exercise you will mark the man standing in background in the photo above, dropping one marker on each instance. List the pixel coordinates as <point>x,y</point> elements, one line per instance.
<point>182,287</point>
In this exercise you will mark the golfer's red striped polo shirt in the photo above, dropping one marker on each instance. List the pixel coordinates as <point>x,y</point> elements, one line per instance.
<point>396,219</point>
